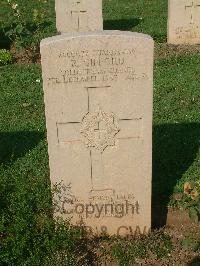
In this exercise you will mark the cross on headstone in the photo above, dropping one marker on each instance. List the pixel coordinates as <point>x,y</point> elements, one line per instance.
<point>79,16</point>
<point>192,7</point>
<point>100,129</point>
<point>184,21</point>
<point>68,133</point>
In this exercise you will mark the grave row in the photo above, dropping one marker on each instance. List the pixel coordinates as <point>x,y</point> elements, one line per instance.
<point>86,15</point>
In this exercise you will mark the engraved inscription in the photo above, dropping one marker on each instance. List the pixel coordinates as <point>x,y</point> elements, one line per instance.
<point>191,32</point>
<point>96,66</point>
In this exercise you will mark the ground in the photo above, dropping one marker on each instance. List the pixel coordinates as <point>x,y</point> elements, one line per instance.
<point>28,235</point>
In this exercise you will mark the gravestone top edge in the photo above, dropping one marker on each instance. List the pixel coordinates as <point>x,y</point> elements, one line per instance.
<point>106,33</point>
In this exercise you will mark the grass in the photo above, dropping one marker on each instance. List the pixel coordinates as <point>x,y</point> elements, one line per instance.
<point>28,235</point>
<point>176,117</point>
<point>126,253</point>
<point>141,16</point>
<point>176,155</point>
<point>23,155</point>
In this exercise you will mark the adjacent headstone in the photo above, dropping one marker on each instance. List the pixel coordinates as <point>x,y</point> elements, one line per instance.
<point>98,101</point>
<point>79,16</point>
<point>184,22</point>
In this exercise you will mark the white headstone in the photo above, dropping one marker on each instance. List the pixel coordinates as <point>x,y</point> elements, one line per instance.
<point>184,22</point>
<point>79,15</point>
<point>98,102</point>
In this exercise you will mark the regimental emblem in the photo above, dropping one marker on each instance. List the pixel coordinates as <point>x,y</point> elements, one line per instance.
<point>99,129</point>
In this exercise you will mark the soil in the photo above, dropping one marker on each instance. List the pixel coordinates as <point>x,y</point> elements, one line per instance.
<point>178,227</point>
<point>165,50</point>
<point>26,56</point>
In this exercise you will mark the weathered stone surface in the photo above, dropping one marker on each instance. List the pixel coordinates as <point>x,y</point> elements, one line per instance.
<point>184,22</point>
<point>98,101</point>
<point>79,16</point>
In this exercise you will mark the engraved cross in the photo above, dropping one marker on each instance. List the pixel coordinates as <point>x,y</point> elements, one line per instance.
<point>192,7</point>
<point>78,16</point>
<point>100,131</point>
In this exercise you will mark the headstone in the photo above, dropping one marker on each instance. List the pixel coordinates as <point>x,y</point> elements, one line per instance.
<point>98,102</point>
<point>79,16</point>
<point>184,22</point>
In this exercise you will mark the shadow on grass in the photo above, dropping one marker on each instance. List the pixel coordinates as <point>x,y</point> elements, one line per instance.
<point>121,24</point>
<point>13,145</point>
<point>5,42</point>
<point>16,144</point>
<point>175,147</point>
<point>160,38</point>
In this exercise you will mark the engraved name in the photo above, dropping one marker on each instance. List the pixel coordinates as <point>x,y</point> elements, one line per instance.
<point>98,65</point>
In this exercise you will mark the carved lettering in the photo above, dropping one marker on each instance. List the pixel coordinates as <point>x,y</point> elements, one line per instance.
<point>97,65</point>
<point>191,32</point>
